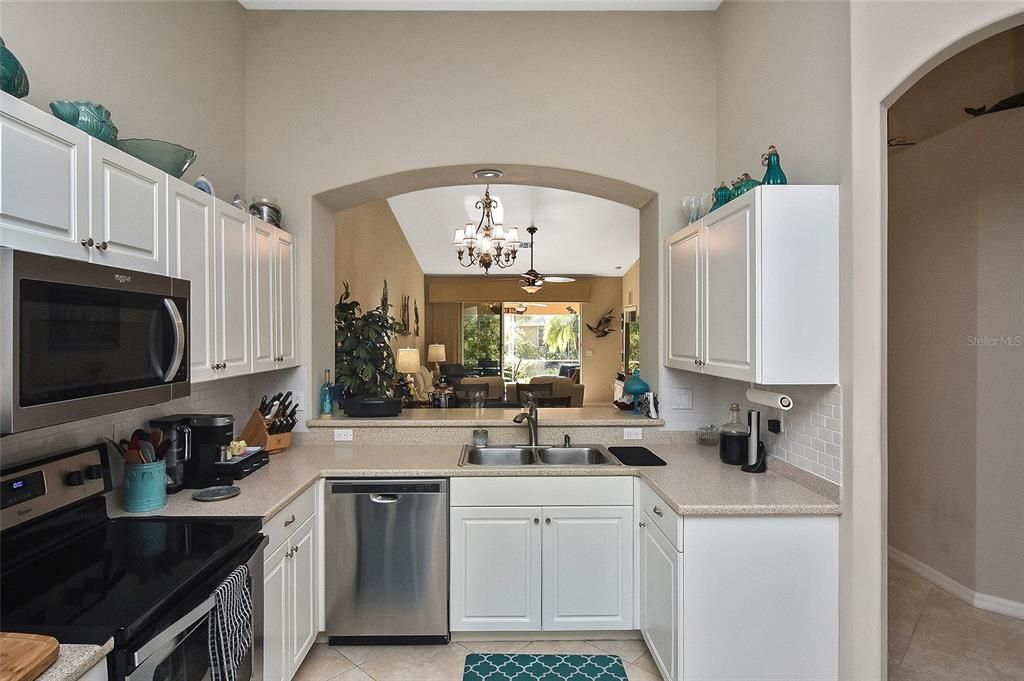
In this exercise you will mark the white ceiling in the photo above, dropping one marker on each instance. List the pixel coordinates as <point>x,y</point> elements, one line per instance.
<point>577,233</point>
<point>489,5</point>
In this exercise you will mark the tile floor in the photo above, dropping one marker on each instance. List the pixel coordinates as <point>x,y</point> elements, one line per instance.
<point>934,636</point>
<point>445,663</point>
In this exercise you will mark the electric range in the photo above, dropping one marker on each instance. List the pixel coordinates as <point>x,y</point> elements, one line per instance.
<point>71,572</point>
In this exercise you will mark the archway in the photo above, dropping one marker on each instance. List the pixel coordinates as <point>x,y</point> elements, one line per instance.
<point>327,203</point>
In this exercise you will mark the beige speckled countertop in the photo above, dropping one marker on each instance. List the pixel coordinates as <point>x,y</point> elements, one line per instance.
<point>75,660</point>
<point>488,418</point>
<point>694,482</point>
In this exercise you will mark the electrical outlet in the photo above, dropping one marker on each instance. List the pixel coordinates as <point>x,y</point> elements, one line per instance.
<point>120,431</point>
<point>343,435</point>
<point>632,433</point>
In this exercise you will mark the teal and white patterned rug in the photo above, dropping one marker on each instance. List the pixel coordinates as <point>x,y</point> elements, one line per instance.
<point>520,667</point>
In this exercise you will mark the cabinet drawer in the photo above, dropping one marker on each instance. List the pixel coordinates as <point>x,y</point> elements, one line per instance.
<point>549,491</point>
<point>660,514</point>
<point>282,525</point>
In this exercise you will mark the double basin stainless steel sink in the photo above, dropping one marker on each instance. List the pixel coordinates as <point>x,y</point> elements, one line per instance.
<point>541,455</point>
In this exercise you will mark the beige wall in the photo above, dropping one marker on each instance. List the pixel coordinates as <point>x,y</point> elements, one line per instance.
<point>369,248</point>
<point>610,94</point>
<point>173,71</point>
<point>956,407</point>
<point>599,368</point>
<point>888,53</point>
<point>631,286</point>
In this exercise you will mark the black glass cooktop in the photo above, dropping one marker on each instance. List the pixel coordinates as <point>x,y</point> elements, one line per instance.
<point>84,584</point>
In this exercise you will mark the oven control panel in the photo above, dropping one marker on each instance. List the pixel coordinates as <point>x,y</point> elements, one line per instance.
<point>32,490</point>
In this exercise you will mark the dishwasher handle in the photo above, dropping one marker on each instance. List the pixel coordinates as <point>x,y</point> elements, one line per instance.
<point>385,498</point>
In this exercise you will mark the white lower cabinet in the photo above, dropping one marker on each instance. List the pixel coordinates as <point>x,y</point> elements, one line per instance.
<point>541,566</point>
<point>748,598</point>
<point>291,588</point>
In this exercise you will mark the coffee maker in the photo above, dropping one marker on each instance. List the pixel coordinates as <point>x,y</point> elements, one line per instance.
<point>197,444</point>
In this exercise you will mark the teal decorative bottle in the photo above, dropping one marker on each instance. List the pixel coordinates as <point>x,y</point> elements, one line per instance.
<point>773,170</point>
<point>326,401</point>
<point>636,387</point>
<point>722,196</point>
<point>13,79</point>
<point>743,184</point>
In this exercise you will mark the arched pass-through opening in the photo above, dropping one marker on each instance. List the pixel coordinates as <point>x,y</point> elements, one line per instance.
<point>327,203</point>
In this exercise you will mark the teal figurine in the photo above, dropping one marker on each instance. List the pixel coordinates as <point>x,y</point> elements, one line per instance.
<point>93,119</point>
<point>636,387</point>
<point>722,196</point>
<point>773,170</point>
<point>13,79</point>
<point>743,184</point>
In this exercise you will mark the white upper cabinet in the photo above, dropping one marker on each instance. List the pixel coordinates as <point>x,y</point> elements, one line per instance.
<point>264,298</point>
<point>129,218</point>
<point>44,182</point>
<point>191,252</point>
<point>233,290</point>
<point>588,568</point>
<point>284,267</point>
<point>753,288</point>
<point>684,304</point>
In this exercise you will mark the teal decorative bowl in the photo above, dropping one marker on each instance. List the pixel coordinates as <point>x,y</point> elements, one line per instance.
<point>93,119</point>
<point>169,157</point>
<point>13,79</point>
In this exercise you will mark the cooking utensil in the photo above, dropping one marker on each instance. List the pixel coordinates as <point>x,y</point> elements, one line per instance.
<point>148,451</point>
<point>134,456</point>
<point>263,405</point>
<point>26,656</point>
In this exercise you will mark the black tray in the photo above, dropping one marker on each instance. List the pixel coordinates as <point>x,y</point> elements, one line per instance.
<point>637,456</point>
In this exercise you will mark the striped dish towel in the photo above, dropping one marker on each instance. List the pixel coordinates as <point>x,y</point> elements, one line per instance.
<point>230,625</point>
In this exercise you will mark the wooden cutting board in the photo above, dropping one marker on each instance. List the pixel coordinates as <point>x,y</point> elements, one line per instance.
<point>23,657</point>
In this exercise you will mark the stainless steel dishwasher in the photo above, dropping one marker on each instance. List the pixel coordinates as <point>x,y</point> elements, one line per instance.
<point>386,561</point>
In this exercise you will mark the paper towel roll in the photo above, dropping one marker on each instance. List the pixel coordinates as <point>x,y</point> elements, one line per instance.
<point>770,399</point>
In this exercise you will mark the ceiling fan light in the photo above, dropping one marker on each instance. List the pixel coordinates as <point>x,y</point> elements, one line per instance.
<point>530,288</point>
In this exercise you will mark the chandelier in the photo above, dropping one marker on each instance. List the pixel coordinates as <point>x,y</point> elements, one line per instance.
<point>486,244</point>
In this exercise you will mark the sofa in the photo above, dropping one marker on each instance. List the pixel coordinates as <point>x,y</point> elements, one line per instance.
<point>562,387</point>
<point>495,385</point>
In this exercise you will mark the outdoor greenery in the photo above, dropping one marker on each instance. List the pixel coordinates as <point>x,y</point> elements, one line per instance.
<point>481,338</point>
<point>534,344</point>
<point>364,360</point>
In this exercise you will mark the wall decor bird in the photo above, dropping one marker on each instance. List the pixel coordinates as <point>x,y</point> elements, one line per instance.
<point>602,329</point>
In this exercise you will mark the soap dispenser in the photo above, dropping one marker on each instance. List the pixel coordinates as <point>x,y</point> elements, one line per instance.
<point>756,453</point>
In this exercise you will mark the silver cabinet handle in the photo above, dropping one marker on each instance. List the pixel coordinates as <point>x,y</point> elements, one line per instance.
<point>547,521</point>
<point>643,524</point>
<point>288,553</point>
<point>87,242</point>
<point>102,245</point>
<point>536,521</point>
<point>657,512</point>
<point>697,362</point>
<point>290,520</point>
<point>295,550</point>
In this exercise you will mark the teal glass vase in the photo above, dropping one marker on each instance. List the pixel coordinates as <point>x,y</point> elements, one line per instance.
<point>636,387</point>
<point>722,196</point>
<point>773,169</point>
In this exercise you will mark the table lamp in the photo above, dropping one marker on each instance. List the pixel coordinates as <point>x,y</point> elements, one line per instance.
<point>435,354</point>
<point>408,363</point>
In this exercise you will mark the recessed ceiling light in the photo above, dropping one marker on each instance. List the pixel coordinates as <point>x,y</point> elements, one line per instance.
<point>618,267</point>
<point>488,174</point>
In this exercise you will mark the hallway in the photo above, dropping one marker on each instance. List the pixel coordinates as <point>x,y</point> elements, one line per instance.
<point>934,636</point>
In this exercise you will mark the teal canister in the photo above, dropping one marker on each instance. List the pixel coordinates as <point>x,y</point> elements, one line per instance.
<point>145,486</point>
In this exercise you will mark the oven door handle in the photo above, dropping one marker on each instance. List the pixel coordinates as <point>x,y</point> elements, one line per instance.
<point>172,633</point>
<point>179,338</point>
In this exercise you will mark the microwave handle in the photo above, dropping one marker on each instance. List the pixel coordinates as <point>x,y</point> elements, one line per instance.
<point>179,338</point>
<point>187,434</point>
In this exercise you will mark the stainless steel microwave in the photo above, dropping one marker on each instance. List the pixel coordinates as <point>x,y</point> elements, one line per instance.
<point>79,340</point>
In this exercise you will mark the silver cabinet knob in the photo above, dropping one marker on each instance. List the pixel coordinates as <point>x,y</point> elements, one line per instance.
<point>643,524</point>
<point>657,512</point>
<point>102,245</point>
<point>536,521</point>
<point>87,242</point>
<point>547,521</point>
<point>697,362</point>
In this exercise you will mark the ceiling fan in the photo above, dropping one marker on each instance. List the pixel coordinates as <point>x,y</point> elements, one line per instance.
<point>531,280</point>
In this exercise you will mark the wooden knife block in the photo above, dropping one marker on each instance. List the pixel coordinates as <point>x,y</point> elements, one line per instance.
<point>255,434</point>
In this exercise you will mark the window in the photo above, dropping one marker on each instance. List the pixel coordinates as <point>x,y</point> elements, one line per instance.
<point>521,340</point>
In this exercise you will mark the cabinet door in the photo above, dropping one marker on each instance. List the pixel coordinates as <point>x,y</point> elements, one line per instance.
<point>303,578</point>
<point>284,268</point>
<point>496,569</point>
<point>129,218</point>
<point>231,273</point>
<point>276,614</point>
<point>264,299</point>
<point>684,301</point>
<point>190,223</point>
<point>44,182</point>
<point>730,302</point>
<point>659,599</point>
<point>588,568</point>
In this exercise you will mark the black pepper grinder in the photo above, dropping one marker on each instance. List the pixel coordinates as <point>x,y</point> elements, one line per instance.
<point>756,454</point>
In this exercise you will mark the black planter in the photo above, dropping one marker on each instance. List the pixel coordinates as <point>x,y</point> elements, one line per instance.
<point>371,407</point>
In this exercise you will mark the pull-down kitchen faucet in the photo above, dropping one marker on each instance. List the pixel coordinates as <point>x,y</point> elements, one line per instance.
<point>530,416</point>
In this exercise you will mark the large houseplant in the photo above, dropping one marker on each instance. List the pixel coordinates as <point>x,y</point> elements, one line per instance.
<point>364,361</point>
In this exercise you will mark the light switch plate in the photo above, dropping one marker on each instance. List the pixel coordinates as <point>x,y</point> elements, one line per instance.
<point>343,435</point>
<point>632,433</point>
